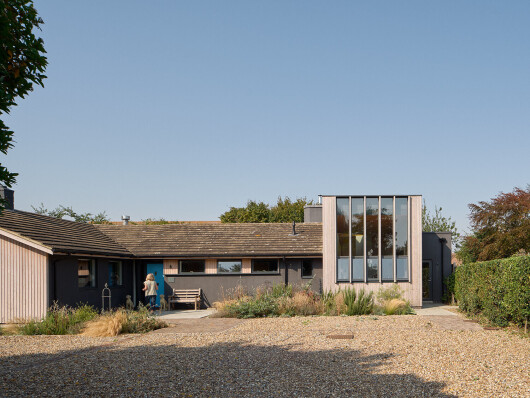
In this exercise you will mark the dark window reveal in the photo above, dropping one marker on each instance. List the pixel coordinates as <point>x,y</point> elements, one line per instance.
<point>307,268</point>
<point>115,273</point>
<point>86,273</point>
<point>192,266</point>
<point>265,265</point>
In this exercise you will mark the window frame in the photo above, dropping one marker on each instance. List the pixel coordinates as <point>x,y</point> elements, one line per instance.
<point>120,268</point>
<point>302,269</point>
<point>277,272</point>
<point>395,257</point>
<point>230,272</point>
<point>92,265</point>
<point>192,273</point>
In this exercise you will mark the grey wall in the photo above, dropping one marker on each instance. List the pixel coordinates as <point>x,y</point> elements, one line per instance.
<point>216,286</point>
<point>64,285</point>
<point>313,213</point>
<point>434,250</point>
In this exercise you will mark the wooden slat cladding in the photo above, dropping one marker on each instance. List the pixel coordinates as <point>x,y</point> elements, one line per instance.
<point>210,266</point>
<point>412,290</point>
<point>23,281</point>
<point>329,246</point>
<point>416,231</point>
<point>171,267</point>
<point>246,266</point>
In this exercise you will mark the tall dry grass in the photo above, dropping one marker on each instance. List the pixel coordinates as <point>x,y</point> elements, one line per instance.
<point>106,325</point>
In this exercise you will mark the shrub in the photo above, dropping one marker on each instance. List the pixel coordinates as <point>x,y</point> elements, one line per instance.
<point>499,289</point>
<point>60,320</point>
<point>282,290</point>
<point>389,293</point>
<point>260,306</point>
<point>122,321</point>
<point>302,303</point>
<point>396,307</point>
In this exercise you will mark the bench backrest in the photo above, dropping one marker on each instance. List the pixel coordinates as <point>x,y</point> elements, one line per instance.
<point>187,293</point>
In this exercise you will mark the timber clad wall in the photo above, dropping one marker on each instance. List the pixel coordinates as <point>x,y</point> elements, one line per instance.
<point>23,281</point>
<point>412,290</point>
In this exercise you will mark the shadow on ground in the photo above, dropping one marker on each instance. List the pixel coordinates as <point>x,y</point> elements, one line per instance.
<point>217,370</point>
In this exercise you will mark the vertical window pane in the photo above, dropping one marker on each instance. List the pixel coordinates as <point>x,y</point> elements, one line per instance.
<point>343,225</point>
<point>402,245</point>
<point>86,273</point>
<point>387,247</point>
<point>115,273</point>
<point>357,238</point>
<point>307,268</point>
<point>372,238</point>
<point>342,269</point>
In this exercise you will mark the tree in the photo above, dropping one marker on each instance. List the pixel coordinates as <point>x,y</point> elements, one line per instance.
<point>22,64</point>
<point>285,210</point>
<point>62,212</point>
<point>501,227</point>
<point>439,223</point>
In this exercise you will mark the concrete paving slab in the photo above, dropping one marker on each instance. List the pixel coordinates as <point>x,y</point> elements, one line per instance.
<point>437,309</point>
<point>185,314</point>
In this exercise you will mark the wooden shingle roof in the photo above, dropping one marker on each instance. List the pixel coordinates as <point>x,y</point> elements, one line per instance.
<point>218,240</point>
<point>61,236</point>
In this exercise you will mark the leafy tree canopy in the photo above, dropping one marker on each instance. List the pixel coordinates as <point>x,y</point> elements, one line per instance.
<point>285,210</point>
<point>501,227</point>
<point>62,212</point>
<point>437,222</point>
<point>22,64</point>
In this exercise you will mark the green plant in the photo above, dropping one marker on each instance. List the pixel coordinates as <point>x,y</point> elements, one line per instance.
<point>363,305</point>
<point>261,306</point>
<point>60,320</point>
<point>328,302</point>
<point>282,290</point>
<point>497,289</point>
<point>389,293</point>
<point>141,321</point>
<point>449,293</point>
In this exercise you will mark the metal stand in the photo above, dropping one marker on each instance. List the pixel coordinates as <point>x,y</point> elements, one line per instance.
<point>105,294</point>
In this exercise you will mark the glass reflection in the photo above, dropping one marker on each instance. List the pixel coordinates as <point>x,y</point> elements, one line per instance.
<point>402,253</point>
<point>387,245</point>
<point>357,238</point>
<point>372,238</point>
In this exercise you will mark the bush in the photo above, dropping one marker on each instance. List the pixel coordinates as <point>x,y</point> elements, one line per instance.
<point>498,289</point>
<point>60,320</point>
<point>260,306</point>
<point>122,321</point>
<point>391,302</point>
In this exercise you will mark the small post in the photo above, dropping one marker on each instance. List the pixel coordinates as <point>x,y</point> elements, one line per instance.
<point>105,293</point>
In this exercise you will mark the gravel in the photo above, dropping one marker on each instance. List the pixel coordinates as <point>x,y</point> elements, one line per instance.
<point>393,356</point>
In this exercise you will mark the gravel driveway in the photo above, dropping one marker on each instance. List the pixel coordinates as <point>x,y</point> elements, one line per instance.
<point>394,356</point>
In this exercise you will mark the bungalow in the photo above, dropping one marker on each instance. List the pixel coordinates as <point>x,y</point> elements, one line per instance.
<point>367,242</point>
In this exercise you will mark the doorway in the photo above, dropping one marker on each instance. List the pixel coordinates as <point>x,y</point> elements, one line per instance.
<point>157,269</point>
<point>426,274</point>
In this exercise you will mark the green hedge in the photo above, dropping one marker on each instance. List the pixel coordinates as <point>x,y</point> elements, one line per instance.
<point>499,289</point>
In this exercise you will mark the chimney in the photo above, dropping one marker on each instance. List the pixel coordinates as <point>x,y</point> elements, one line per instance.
<point>313,213</point>
<point>125,219</point>
<point>8,195</point>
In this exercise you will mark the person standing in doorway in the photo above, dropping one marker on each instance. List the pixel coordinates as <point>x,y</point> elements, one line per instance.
<point>150,288</point>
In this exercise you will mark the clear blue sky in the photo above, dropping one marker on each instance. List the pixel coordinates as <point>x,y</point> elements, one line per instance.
<point>182,109</point>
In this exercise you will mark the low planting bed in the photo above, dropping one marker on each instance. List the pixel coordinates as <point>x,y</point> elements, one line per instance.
<point>288,300</point>
<point>86,320</point>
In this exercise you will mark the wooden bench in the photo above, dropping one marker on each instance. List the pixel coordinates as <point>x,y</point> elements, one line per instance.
<point>192,296</point>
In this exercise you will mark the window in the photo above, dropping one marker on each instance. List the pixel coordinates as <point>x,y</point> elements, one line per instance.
<point>86,273</point>
<point>265,266</point>
<point>372,238</point>
<point>387,241</point>
<point>343,248</point>
<point>192,266</point>
<point>115,273</point>
<point>402,245</point>
<point>307,268</point>
<point>357,238</point>
<point>229,266</point>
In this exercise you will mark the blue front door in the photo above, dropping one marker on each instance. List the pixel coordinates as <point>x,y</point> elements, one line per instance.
<point>157,270</point>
